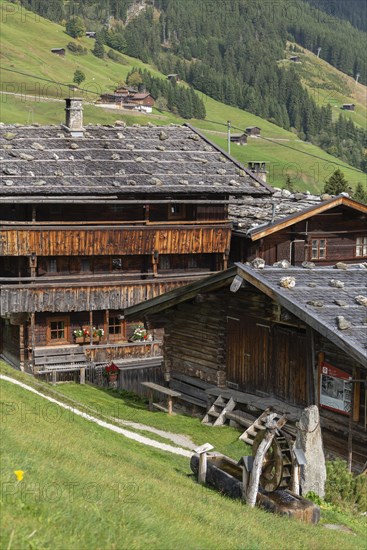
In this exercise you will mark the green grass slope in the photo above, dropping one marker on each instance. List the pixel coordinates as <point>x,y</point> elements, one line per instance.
<point>25,46</point>
<point>87,487</point>
<point>327,85</point>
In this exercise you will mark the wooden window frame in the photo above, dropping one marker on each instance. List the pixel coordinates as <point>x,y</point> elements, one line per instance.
<point>119,335</point>
<point>324,248</point>
<point>362,246</point>
<point>66,321</point>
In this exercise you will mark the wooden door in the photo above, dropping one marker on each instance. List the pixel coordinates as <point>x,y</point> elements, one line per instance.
<point>248,354</point>
<point>289,365</point>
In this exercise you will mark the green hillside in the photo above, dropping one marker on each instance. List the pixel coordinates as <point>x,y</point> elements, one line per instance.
<point>328,86</point>
<point>25,47</point>
<point>87,487</point>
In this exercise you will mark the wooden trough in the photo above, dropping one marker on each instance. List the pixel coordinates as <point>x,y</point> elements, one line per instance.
<point>225,475</point>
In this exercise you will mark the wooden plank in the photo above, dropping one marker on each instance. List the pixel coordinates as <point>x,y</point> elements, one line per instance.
<point>161,389</point>
<point>176,375</point>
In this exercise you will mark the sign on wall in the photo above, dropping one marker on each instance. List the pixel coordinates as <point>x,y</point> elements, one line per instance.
<point>335,389</point>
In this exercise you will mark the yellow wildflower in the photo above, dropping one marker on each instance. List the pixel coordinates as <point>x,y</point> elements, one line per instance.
<point>19,474</point>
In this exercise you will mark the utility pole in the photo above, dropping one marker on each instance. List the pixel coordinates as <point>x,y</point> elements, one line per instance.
<point>229,137</point>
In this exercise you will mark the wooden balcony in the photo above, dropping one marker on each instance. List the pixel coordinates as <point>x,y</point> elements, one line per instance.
<point>46,239</point>
<point>66,294</point>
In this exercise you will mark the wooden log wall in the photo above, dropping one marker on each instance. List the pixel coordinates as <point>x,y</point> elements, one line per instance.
<point>72,297</point>
<point>10,338</point>
<point>194,341</point>
<point>119,240</point>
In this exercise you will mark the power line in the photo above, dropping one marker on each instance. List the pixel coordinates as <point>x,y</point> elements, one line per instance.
<point>292,148</point>
<point>206,120</point>
<point>37,77</point>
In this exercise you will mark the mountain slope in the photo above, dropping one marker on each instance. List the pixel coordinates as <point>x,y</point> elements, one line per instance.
<point>327,85</point>
<point>26,45</point>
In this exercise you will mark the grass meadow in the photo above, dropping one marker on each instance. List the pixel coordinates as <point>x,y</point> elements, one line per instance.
<point>85,487</point>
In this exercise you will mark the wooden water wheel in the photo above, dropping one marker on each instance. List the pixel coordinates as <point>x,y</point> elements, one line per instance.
<point>276,471</point>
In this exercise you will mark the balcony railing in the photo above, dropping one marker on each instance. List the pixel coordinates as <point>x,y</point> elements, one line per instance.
<point>46,239</point>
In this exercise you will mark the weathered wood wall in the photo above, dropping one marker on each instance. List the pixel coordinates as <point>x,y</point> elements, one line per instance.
<point>339,228</point>
<point>10,342</point>
<point>123,240</point>
<point>194,341</point>
<point>239,339</point>
<point>66,297</point>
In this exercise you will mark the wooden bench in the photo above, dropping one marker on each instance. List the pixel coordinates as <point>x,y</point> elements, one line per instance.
<point>193,390</point>
<point>160,389</point>
<point>58,360</point>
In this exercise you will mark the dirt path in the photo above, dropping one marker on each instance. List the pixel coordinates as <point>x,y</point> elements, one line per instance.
<point>126,433</point>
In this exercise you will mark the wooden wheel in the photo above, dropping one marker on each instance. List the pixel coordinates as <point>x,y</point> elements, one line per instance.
<point>276,470</point>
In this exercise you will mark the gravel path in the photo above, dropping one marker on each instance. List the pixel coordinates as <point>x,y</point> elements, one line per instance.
<point>126,433</point>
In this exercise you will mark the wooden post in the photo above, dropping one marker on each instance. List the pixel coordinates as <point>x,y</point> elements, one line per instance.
<point>245,482</point>
<point>350,433</point>
<point>107,325</point>
<point>150,396</point>
<point>82,375</point>
<point>91,332</point>
<point>33,213</point>
<point>54,377</point>
<point>256,468</point>
<point>320,359</point>
<point>21,347</point>
<point>295,480</point>
<point>203,461</point>
<point>170,404</point>
<point>357,395</point>
<point>203,466</point>
<point>33,336</point>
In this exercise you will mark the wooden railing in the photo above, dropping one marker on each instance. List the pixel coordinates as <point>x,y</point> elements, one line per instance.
<point>71,240</point>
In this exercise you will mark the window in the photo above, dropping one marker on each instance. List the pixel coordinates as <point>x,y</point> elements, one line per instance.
<point>52,265</point>
<point>85,264</point>
<point>361,246</point>
<point>57,329</point>
<point>116,264</point>
<point>176,211</point>
<point>116,328</point>
<point>318,249</point>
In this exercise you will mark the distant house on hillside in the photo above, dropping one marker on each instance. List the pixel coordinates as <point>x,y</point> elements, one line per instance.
<point>58,51</point>
<point>128,98</point>
<point>91,34</point>
<point>295,59</point>
<point>142,102</point>
<point>240,139</point>
<point>348,107</point>
<point>174,77</point>
<point>253,131</point>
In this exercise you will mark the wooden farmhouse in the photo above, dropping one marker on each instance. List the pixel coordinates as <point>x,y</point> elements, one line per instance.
<point>253,131</point>
<point>59,51</point>
<point>94,219</point>
<point>239,139</point>
<point>285,338</point>
<point>348,107</point>
<point>299,228</point>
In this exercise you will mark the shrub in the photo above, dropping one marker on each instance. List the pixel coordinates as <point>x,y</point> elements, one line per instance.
<point>76,49</point>
<point>342,487</point>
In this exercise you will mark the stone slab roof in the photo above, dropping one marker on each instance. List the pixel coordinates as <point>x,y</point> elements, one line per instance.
<point>47,160</point>
<point>332,301</point>
<point>249,213</point>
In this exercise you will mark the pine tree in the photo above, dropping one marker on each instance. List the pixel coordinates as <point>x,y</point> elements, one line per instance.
<point>79,77</point>
<point>360,194</point>
<point>336,184</point>
<point>98,49</point>
<point>75,27</point>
